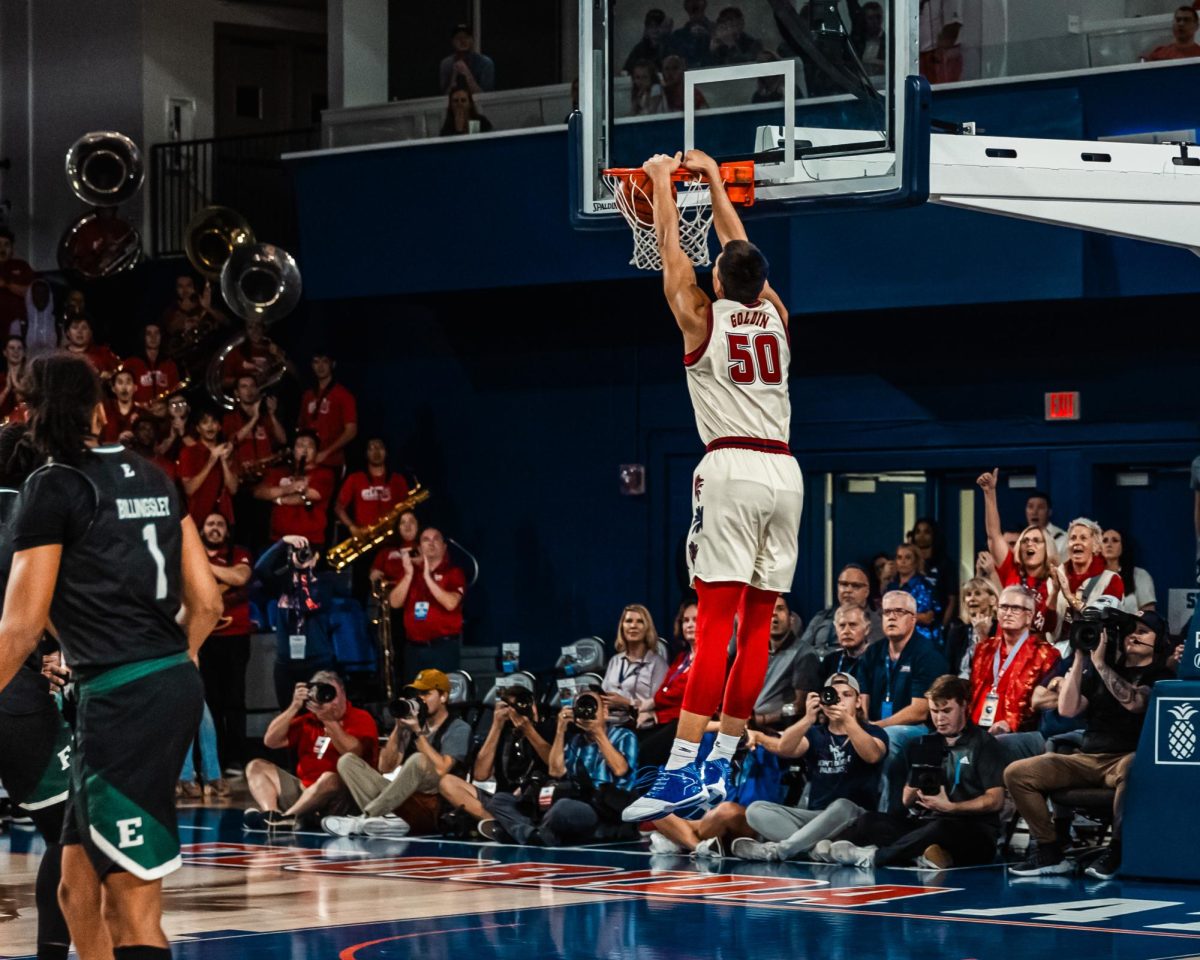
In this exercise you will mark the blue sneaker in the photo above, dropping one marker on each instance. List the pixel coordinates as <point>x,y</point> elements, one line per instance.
<point>716,774</point>
<point>672,790</point>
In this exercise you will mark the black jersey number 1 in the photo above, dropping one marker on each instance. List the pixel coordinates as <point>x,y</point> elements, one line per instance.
<point>150,535</point>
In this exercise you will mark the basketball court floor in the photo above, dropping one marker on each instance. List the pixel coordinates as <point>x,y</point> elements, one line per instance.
<point>307,896</point>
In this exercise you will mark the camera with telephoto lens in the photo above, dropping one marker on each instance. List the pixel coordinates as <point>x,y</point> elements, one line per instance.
<point>587,706</point>
<point>830,697</point>
<point>1100,616</point>
<point>520,699</point>
<point>409,707</point>
<point>925,770</point>
<point>321,692</point>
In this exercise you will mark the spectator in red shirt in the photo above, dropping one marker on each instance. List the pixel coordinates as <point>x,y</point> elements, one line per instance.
<point>79,340</point>
<point>388,564</point>
<point>654,743</point>
<point>1005,670</point>
<point>260,443</point>
<point>1085,574</point>
<point>1029,564</point>
<point>368,494</point>
<point>301,494</point>
<point>120,412</point>
<point>1183,31</point>
<point>153,374</point>
<point>14,370</point>
<point>208,471</point>
<point>15,277</point>
<point>257,355</point>
<point>319,736</point>
<point>431,597</point>
<point>331,411</point>
<point>145,439</point>
<point>226,653</point>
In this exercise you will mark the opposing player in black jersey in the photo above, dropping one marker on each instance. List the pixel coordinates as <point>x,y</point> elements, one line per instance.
<point>35,741</point>
<point>104,551</point>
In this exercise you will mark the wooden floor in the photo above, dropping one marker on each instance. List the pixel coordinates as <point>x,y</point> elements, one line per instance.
<point>303,897</point>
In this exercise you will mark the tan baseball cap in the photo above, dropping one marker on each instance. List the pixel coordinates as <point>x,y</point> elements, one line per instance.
<point>431,680</point>
<point>845,678</point>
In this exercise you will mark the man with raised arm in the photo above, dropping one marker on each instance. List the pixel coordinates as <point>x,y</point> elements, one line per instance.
<point>747,492</point>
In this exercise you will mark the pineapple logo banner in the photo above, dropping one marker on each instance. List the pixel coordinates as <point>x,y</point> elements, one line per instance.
<point>1177,731</point>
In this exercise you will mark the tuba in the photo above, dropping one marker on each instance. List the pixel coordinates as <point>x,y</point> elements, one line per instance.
<point>212,235</point>
<point>260,281</point>
<point>104,169</point>
<point>346,552</point>
<point>214,377</point>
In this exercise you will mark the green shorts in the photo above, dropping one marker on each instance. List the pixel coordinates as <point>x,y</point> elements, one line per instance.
<point>134,725</point>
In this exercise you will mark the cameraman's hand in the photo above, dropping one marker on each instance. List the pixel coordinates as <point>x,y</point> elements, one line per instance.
<point>938,803</point>
<point>412,723</point>
<point>300,696</point>
<point>566,716</point>
<point>502,714</point>
<point>812,707</point>
<point>1101,649</point>
<point>294,541</point>
<point>837,713</point>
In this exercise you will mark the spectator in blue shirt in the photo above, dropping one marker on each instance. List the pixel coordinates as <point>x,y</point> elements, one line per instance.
<point>465,66</point>
<point>911,580</point>
<point>896,674</point>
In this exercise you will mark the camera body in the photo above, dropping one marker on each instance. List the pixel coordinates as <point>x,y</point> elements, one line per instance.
<point>830,696</point>
<point>1096,618</point>
<point>407,706</point>
<point>321,692</point>
<point>586,706</point>
<point>519,699</point>
<point>300,557</point>
<point>925,769</point>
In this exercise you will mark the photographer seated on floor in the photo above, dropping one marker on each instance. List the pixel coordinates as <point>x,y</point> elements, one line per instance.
<point>1117,658</point>
<point>401,796</point>
<point>952,796</point>
<point>515,752</point>
<point>843,756</point>
<point>319,726</point>
<point>592,765</point>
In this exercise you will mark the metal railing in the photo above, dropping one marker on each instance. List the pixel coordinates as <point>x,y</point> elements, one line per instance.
<point>244,173</point>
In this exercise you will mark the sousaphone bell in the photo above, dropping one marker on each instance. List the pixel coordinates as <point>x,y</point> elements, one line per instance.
<point>104,169</point>
<point>212,235</point>
<point>260,281</point>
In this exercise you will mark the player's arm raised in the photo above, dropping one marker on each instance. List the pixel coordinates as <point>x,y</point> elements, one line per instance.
<point>688,302</point>
<point>726,221</point>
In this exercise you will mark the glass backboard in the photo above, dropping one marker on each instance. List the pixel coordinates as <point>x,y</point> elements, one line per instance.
<point>823,95</point>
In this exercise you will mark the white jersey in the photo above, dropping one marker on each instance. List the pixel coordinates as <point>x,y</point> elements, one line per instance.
<point>738,377</point>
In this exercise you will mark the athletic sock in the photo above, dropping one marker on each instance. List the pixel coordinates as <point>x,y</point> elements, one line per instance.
<point>725,747</point>
<point>683,752</point>
<point>53,951</point>
<point>142,953</point>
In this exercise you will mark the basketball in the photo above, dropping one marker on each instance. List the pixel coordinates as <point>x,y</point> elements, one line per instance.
<point>639,192</point>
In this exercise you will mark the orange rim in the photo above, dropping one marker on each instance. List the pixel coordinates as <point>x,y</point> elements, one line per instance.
<point>738,177</point>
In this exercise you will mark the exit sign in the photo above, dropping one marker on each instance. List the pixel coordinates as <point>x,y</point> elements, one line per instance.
<point>1063,405</point>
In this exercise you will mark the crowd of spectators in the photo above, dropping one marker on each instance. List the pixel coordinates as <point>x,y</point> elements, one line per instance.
<point>908,725</point>
<point>829,42</point>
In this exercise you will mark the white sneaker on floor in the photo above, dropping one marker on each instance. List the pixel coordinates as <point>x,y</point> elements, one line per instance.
<point>747,849</point>
<point>389,826</point>
<point>845,852</point>
<point>343,826</point>
<point>661,844</point>
<point>821,852</point>
<point>709,848</point>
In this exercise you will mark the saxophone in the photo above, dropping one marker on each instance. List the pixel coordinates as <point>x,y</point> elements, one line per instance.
<point>346,552</point>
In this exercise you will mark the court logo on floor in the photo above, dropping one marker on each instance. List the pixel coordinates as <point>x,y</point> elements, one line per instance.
<point>1176,734</point>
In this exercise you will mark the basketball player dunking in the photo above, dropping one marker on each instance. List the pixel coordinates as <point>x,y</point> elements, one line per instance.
<point>747,492</point>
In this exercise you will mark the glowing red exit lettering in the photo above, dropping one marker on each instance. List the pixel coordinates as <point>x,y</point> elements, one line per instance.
<point>1063,405</point>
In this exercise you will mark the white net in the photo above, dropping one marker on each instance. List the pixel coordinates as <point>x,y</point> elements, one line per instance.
<point>695,218</point>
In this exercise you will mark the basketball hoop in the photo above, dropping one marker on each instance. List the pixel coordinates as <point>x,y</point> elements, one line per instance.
<point>630,187</point>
